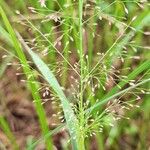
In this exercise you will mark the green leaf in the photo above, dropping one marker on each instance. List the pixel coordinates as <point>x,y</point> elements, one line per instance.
<point>30,78</point>
<point>70,117</point>
<point>55,131</point>
<point>5,127</point>
<point>105,100</point>
<point>144,66</point>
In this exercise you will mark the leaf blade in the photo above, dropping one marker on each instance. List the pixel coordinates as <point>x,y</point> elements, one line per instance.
<point>32,85</point>
<point>71,119</point>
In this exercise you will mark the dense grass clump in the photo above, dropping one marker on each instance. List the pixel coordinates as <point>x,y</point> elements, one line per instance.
<point>89,59</point>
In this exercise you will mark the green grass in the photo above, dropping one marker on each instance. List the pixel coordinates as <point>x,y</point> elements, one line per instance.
<point>5,127</point>
<point>32,85</point>
<point>119,38</point>
<point>49,134</point>
<point>72,122</point>
<point>105,100</point>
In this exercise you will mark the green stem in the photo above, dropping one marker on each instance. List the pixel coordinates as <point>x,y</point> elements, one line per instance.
<point>65,28</point>
<point>81,143</point>
<point>81,49</point>
<point>81,53</point>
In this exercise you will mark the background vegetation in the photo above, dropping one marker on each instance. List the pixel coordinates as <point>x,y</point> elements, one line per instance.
<point>74,74</point>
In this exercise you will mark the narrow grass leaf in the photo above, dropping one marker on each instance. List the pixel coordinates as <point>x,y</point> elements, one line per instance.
<point>5,127</point>
<point>144,66</point>
<point>49,134</point>
<point>31,81</point>
<point>95,106</point>
<point>51,79</point>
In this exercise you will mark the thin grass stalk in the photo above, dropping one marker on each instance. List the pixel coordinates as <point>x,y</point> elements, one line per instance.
<point>81,53</point>
<point>65,40</point>
<point>81,47</point>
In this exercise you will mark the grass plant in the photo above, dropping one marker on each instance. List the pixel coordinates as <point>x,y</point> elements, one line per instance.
<point>103,75</point>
